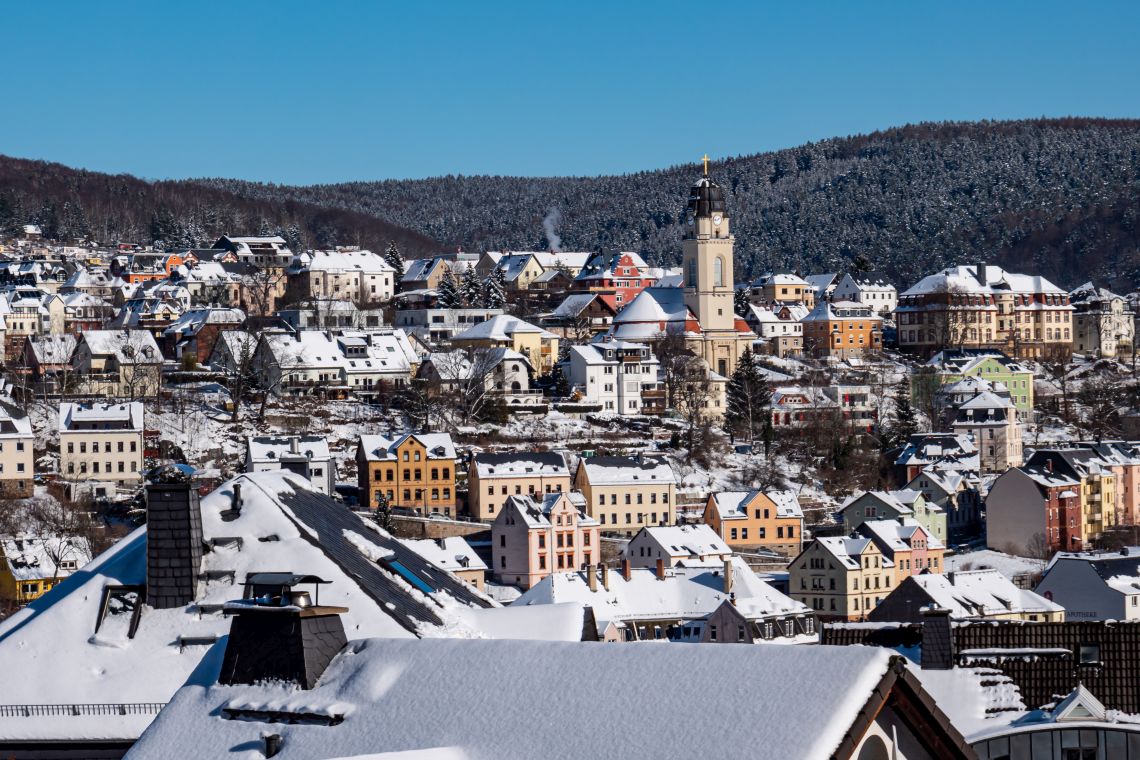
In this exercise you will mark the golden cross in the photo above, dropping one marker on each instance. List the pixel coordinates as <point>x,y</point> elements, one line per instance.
<point>705,158</point>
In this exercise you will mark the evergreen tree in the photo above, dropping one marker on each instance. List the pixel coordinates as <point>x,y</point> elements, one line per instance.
<point>396,261</point>
<point>904,420</point>
<point>470,289</point>
<point>448,294</point>
<point>559,385</point>
<point>748,400</point>
<point>740,302</point>
<point>495,293</point>
<point>383,514</point>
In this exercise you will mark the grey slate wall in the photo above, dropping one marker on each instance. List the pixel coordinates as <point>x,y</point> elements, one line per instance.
<point>173,545</point>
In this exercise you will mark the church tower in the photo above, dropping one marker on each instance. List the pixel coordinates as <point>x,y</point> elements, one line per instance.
<point>707,257</point>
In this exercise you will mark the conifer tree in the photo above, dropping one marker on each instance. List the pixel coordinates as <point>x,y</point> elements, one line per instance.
<point>396,261</point>
<point>448,291</point>
<point>748,400</point>
<point>470,289</point>
<point>740,302</point>
<point>495,294</point>
<point>904,421</point>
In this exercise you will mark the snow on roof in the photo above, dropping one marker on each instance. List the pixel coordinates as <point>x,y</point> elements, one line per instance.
<point>778,278</point>
<point>614,470</point>
<point>536,514</point>
<point>14,423</point>
<point>686,541</point>
<point>787,503</point>
<point>573,305</point>
<point>895,535</point>
<point>981,593</point>
<point>89,416</point>
<point>452,553</point>
<point>456,365</point>
<point>686,593</point>
<point>964,279</point>
<point>272,448</point>
<point>520,464</point>
<point>192,321</point>
<point>380,448</point>
<point>387,690</point>
<point>365,262</point>
<point>830,311</point>
<point>127,346</point>
<point>847,550</point>
<point>501,327</point>
<point>977,700</point>
<point>385,351</point>
<point>44,557</point>
<point>734,504</point>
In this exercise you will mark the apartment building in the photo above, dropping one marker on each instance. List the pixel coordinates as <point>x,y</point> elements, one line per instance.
<point>360,276</point>
<point>492,477</point>
<point>1103,323</point>
<point>415,471</point>
<point>776,287</point>
<point>532,538</point>
<point>892,505</point>
<point>101,441</point>
<point>841,578</point>
<point>678,546</point>
<point>505,331</point>
<point>613,374</point>
<point>17,463</point>
<point>751,520</point>
<point>627,493</point>
<point>991,421</point>
<point>842,329</point>
<point>908,546</point>
<point>868,288</point>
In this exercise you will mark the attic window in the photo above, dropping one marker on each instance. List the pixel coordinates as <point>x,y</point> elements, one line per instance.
<point>397,567</point>
<point>1089,654</point>
<point>119,611</point>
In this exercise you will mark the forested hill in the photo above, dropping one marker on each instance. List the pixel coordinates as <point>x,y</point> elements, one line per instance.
<point>71,204</point>
<point>1058,197</point>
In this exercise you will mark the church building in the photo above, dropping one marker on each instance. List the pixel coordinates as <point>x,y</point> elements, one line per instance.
<point>702,308</point>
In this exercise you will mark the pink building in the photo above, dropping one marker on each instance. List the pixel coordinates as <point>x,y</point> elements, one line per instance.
<point>530,539</point>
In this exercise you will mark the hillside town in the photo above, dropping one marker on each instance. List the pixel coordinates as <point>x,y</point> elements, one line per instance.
<point>243,485</point>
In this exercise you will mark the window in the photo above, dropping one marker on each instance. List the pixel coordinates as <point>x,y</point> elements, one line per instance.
<point>1089,654</point>
<point>712,632</point>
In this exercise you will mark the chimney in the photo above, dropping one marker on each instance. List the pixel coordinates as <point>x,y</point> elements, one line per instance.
<point>272,744</point>
<point>625,569</point>
<point>605,576</point>
<point>937,639</point>
<point>294,444</point>
<point>278,634</point>
<point>660,569</point>
<point>173,540</point>
<point>592,577</point>
<point>728,575</point>
<point>981,273</point>
<point>1048,465</point>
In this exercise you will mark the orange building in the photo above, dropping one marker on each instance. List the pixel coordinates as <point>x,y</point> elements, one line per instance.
<point>749,520</point>
<point>412,471</point>
<point>843,329</point>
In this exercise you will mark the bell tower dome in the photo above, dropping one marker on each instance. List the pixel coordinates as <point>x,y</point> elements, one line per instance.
<point>707,256</point>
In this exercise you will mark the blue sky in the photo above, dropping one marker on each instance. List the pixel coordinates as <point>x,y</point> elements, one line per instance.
<point>304,92</point>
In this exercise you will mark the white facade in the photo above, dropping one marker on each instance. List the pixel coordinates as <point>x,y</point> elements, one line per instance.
<point>612,374</point>
<point>101,442</point>
<point>869,290</point>
<point>307,456</point>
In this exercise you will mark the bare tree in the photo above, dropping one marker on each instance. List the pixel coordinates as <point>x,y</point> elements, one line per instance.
<point>674,356</point>
<point>694,390</point>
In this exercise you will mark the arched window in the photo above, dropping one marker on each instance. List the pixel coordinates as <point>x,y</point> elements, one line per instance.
<point>692,279</point>
<point>718,272</point>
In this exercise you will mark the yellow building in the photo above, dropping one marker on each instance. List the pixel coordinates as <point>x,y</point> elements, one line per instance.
<point>31,566</point>
<point>537,345</point>
<point>841,578</point>
<point>750,520</point>
<point>412,471</point>
<point>493,478</point>
<point>625,494</point>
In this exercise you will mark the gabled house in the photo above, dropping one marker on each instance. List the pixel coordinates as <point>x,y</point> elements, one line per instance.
<point>414,471</point>
<point>619,376</point>
<point>956,493</point>
<point>492,477</point>
<point>506,331</point>
<point>751,520</point>
<point>968,595</point>
<point>117,363</point>
<point>1035,509</point>
<point>892,505</point>
<point>679,545</point>
<point>870,289</point>
<point>1095,585</point>
<point>909,546</point>
<point>531,539</point>
<point>304,455</point>
<point>841,578</point>
<point>32,565</point>
<point>580,316</point>
<point>627,493</point>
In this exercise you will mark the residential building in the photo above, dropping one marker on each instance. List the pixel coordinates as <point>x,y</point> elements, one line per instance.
<point>331,313</point>
<point>360,276</point>
<point>332,363</point>
<point>1103,322</point>
<point>842,329</point>
<point>798,406</point>
<point>437,326</point>
<point>678,545</point>
<point>625,494</point>
<point>617,375</point>
<point>117,363</point>
<point>30,566</point>
<point>581,316</point>
<point>986,307</point>
<point>497,372</point>
<point>777,287</point>
<point>908,545</point>
<point>968,595</point>
<point>841,578</point>
<point>492,477</point>
<point>892,505</point>
<point>505,331</point>
<point>947,450</point>
<point>1094,585</point>
<point>956,493</point>
<point>17,453</point>
<point>453,554</point>
<point>823,285</point>
<point>305,455</point>
<point>101,441</point>
<point>194,333</point>
<point>781,333</point>
<point>622,274</point>
<point>868,288</point>
<point>267,252</point>
<point>427,273</point>
<point>680,604</point>
<point>532,538</point>
<point>415,471</point>
<point>953,366</point>
<point>991,421</point>
<point>1036,509</point>
<point>752,520</point>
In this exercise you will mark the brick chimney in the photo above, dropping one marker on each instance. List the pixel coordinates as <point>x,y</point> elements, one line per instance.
<point>625,569</point>
<point>728,575</point>
<point>937,639</point>
<point>592,577</point>
<point>281,637</point>
<point>173,540</point>
<point>660,569</point>
<point>605,576</point>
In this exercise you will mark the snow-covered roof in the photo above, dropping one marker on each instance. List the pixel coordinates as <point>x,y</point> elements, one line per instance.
<point>191,322</point>
<point>734,504</point>
<point>573,305</point>
<point>456,365</point>
<point>536,514</point>
<point>272,448</point>
<point>380,448</point>
<point>96,416</point>
<point>779,278</point>
<point>387,691</point>
<point>685,542</point>
<point>830,311</point>
<point>385,350</point>
<point>451,553</point>
<point>365,262</point>
<point>520,464</point>
<point>686,593</point>
<point>31,558</point>
<point>964,279</point>
<point>14,423</point>
<point>613,470</point>
<point>847,551</point>
<point>501,327</point>
<point>896,535</point>
<point>127,346</point>
<point>981,593</point>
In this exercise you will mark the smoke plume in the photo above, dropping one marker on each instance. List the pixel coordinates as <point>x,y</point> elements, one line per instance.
<point>549,222</point>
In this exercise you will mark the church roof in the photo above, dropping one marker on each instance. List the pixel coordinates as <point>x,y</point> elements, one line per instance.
<point>706,198</point>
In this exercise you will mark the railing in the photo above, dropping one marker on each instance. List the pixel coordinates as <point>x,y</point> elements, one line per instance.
<point>76,710</point>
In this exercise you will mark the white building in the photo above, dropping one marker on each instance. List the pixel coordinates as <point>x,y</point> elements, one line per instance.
<point>17,466</point>
<point>1103,323</point>
<point>440,325</point>
<point>360,276</point>
<point>612,373</point>
<point>305,455</point>
<point>870,289</point>
<point>342,362</point>
<point>678,545</point>
<point>101,442</point>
